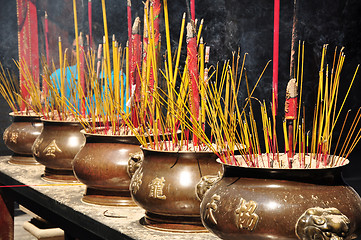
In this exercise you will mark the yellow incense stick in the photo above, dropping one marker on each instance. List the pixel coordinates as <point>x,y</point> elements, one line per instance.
<point>76,39</point>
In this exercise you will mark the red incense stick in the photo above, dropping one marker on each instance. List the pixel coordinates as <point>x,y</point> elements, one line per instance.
<point>276,26</point>
<point>192,58</point>
<point>136,59</point>
<point>46,26</point>
<point>193,10</point>
<point>155,5</point>
<point>81,75</point>
<point>90,23</point>
<point>129,12</point>
<point>156,12</point>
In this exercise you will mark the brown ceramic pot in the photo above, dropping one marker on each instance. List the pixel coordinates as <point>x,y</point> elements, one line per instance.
<point>102,166</point>
<point>20,136</point>
<point>56,148</point>
<point>165,186</point>
<point>260,203</point>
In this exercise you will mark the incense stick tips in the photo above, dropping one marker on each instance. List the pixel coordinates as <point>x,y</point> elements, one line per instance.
<point>190,32</point>
<point>208,49</point>
<point>291,90</point>
<point>136,26</point>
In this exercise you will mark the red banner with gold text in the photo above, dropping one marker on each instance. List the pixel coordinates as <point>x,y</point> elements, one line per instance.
<point>28,45</point>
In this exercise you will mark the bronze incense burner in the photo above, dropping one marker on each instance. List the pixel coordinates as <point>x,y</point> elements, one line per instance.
<point>20,136</point>
<point>102,166</point>
<point>165,186</point>
<point>266,203</point>
<point>56,148</point>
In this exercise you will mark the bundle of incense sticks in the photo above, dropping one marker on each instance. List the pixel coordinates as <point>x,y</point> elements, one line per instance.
<point>305,148</point>
<point>105,98</point>
<point>219,95</point>
<point>99,100</point>
<point>96,96</point>
<point>105,91</point>
<point>84,91</point>
<point>9,89</point>
<point>174,119</point>
<point>234,129</point>
<point>314,148</point>
<point>51,104</point>
<point>62,87</point>
<point>154,111</point>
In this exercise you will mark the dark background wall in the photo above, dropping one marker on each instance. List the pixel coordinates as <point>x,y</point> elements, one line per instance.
<point>8,52</point>
<point>229,24</point>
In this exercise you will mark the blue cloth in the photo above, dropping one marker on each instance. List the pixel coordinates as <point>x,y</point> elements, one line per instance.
<point>71,75</point>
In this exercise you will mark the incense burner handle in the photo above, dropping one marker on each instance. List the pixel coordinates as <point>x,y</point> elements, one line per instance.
<point>206,183</point>
<point>134,162</point>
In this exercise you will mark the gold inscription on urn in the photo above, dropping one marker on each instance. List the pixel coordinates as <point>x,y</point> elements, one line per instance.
<point>156,188</point>
<point>35,147</point>
<point>51,149</point>
<point>246,218</point>
<point>136,181</point>
<point>323,224</point>
<point>14,137</point>
<point>5,136</point>
<point>210,208</point>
